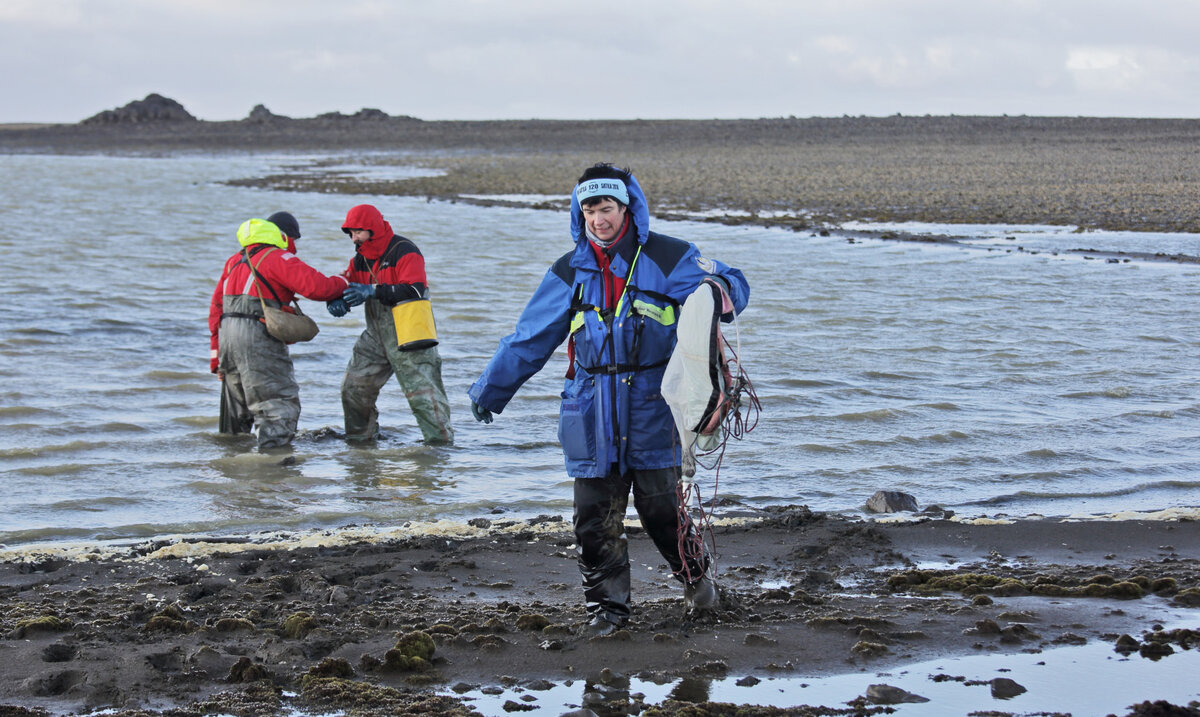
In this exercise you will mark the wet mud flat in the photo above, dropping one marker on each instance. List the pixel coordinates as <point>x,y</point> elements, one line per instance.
<point>800,173</point>
<point>426,623</point>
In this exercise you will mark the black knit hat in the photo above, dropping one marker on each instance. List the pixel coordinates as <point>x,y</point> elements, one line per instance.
<point>286,223</point>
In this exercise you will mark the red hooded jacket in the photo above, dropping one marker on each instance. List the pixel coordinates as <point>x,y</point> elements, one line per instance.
<point>391,262</point>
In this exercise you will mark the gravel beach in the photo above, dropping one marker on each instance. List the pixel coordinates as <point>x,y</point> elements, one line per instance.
<point>429,620</point>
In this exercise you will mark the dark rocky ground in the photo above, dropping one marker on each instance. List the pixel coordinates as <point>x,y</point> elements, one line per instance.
<point>406,626</point>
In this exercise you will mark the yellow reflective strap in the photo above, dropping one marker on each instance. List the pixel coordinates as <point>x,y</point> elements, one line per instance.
<point>628,278</point>
<point>663,315</point>
<point>577,321</point>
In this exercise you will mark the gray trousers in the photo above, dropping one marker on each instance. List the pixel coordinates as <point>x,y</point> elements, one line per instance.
<point>376,359</point>
<point>260,381</point>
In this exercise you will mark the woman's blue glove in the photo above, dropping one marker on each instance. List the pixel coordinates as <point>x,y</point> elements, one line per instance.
<point>480,413</point>
<point>356,294</point>
<point>337,307</point>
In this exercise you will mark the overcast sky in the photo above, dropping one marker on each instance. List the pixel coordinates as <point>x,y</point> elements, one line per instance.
<point>65,60</point>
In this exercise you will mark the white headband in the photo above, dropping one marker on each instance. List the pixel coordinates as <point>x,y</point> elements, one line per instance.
<point>614,188</point>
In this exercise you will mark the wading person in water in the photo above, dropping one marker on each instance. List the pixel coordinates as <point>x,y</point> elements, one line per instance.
<point>614,298</point>
<point>255,368</point>
<point>387,276</point>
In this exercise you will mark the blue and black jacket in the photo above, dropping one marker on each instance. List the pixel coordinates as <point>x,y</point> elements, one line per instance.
<point>613,415</point>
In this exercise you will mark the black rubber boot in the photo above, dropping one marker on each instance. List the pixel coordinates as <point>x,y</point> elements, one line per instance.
<point>599,518</point>
<point>701,595</point>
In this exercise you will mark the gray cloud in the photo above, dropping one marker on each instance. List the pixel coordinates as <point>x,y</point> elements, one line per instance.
<point>482,59</point>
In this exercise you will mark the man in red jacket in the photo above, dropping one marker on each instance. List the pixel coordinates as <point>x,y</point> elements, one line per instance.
<point>387,270</point>
<point>255,368</point>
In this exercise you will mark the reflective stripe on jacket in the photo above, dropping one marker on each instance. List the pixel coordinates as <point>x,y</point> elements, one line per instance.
<point>612,411</point>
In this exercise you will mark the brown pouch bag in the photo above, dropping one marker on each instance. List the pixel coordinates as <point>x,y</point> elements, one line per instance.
<point>286,326</point>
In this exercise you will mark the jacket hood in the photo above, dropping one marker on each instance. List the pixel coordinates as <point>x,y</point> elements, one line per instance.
<point>261,231</point>
<point>638,210</point>
<point>366,216</point>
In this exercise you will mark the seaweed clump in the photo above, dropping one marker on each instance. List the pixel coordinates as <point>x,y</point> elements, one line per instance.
<point>39,625</point>
<point>335,693</point>
<point>931,582</point>
<point>413,653</point>
<point>298,625</point>
<point>169,619</point>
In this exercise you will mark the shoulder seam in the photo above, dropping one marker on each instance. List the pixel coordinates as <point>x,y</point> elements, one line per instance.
<point>563,270</point>
<point>665,251</point>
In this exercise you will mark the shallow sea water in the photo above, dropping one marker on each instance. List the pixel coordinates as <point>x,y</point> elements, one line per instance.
<point>976,377</point>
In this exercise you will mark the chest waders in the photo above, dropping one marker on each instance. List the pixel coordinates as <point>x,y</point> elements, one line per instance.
<point>377,356</point>
<point>260,385</point>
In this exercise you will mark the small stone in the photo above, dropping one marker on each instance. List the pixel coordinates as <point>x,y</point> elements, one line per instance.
<point>869,649</point>
<point>890,501</point>
<point>1155,650</point>
<point>1127,643</point>
<point>889,695</point>
<point>244,670</point>
<point>512,706</point>
<point>1004,688</point>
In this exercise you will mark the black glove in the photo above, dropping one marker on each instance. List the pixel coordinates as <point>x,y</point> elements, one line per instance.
<point>356,294</point>
<point>480,413</point>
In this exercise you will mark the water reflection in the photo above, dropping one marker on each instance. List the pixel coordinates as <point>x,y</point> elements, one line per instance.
<point>1033,682</point>
<point>691,689</point>
<point>609,696</point>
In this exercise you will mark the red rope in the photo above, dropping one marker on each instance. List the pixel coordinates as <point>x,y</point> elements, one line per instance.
<point>733,425</point>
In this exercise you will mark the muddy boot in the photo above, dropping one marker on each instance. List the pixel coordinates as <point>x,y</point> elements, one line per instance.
<point>701,595</point>
<point>602,625</point>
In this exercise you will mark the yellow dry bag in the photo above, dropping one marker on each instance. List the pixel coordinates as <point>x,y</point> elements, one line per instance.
<point>414,324</point>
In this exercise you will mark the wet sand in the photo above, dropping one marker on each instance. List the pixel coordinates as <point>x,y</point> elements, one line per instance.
<point>419,620</point>
<point>418,623</point>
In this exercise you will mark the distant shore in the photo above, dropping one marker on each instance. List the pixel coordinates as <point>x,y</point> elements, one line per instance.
<point>804,173</point>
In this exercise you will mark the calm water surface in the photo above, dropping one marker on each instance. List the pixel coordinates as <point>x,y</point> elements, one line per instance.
<point>975,377</point>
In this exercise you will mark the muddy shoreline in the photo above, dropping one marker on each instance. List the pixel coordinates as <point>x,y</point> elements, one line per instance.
<point>417,623</point>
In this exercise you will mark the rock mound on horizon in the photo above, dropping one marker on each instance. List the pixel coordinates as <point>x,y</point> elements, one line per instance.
<point>155,108</point>
<point>366,113</point>
<point>262,115</point>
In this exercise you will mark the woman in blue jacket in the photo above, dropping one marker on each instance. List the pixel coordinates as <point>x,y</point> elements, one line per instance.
<point>615,297</point>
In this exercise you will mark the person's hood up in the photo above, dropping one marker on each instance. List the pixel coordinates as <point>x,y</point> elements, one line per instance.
<point>261,231</point>
<point>366,216</point>
<point>638,211</point>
